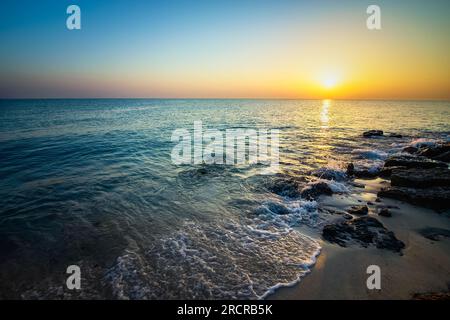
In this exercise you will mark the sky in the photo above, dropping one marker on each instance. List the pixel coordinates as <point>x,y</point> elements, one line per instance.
<point>225,49</point>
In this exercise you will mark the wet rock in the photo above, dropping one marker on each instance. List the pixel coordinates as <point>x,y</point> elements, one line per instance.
<point>386,172</point>
<point>437,198</point>
<point>395,135</point>
<point>384,212</point>
<point>367,174</point>
<point>420,178</point>
<point>373,133</point>
<point>313,191</point>
<point>286,187</point>
<point>348,216</point>
<point>438,152</point>
<point>350,169</point>
<point>410,149</point>
<point>435,234</point>
<point>359,210</point>
<point>410,161</point>
<point>360,173</point>
<point>364,231</point>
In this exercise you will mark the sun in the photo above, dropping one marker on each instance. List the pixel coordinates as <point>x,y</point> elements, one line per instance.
<point>329,82</point>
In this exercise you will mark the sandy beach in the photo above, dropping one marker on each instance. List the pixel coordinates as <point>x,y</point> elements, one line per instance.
<point>340,273</point>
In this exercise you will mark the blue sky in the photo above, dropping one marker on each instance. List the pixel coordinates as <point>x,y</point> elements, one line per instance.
<point>172,48</point>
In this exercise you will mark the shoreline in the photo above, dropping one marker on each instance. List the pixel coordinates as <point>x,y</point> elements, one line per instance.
<point>340,272</point>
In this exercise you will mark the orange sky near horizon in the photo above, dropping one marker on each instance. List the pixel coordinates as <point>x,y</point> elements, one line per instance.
<point>294,50</point>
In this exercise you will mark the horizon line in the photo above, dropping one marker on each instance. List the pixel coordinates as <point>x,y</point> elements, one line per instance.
<point>218,98</point>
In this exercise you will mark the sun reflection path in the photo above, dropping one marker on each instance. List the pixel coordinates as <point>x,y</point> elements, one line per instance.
<point>324,119</point>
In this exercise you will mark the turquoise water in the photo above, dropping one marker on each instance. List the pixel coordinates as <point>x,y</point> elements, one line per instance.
<point>91,183</point>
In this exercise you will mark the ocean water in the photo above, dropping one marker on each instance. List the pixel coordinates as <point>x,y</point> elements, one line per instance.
<point>91,183</point>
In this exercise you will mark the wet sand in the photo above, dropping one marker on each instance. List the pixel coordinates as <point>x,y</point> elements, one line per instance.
<point>340,273</point>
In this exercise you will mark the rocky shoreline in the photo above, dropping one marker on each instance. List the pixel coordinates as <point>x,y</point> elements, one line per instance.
<point>418,175</point>
<point>395,216</point>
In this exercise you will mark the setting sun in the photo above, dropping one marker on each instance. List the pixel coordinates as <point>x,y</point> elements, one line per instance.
<point>329,82</point>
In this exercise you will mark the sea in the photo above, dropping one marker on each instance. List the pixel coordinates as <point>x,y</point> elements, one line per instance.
<point>92,183</point>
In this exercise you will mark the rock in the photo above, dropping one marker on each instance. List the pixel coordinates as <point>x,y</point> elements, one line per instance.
<point>350,169</point>
<point>348,216</point>
<point>365,173</point>
<point>395,135</point>
<point>386,172</point>
<point>410,149</point>
<point>420,178</point>
<point>364,231</point>
<point>435,234</point>
<point>286,187</point>
<point>314,190</point>
<point>384,212</point>
<point>438,151</point>
<point>410,161</point>
<point>373,133</point>
<point>437,198</point>
<point>358,210</point>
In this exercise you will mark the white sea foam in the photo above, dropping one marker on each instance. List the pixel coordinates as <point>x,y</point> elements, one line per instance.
<point>248,259</point>
<point>423,142</point>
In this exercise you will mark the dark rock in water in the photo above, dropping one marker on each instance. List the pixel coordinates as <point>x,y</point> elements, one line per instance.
<point>350,169</point>
<point>410,161</point>
<point>364,231</point>
<point>384,212</point>
<point>359,210</point>
<point>410,149</point>
<point>315,190</point>
<point>421,178</point>
<point>440,151</point>
<point>373,133</point>
<point>278,208</point>
<point>365,173</point>
<point>435,234</point>
<point>286,187</point>
<point>386,172</point>
<point>377,200</point>
<point>437,198</point>
<point>395,135</point>
<point>348,216</point>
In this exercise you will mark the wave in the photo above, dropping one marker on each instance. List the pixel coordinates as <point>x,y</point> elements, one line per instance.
<point>246,259</point>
